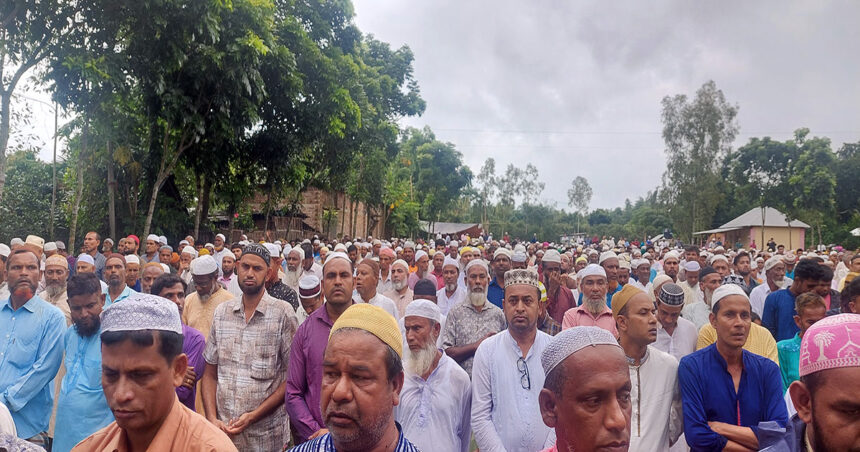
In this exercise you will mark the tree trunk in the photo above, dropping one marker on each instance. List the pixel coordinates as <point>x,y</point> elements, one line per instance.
<point>268,211</point>
<point>79,189</point>
<point>231,219</point>
<point>5,119</point>
<point>111,192</point>
<point>207,194</point>
<point>54,174</point>
<point>165,169</point>
<point>198,183</point>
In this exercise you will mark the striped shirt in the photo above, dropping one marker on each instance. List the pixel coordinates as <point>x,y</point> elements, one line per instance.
<point>326,444</point>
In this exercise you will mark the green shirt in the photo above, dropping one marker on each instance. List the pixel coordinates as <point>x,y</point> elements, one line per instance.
<point>789,360</point>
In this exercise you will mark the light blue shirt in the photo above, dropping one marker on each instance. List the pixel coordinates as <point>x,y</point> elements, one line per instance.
<point>506,416</point>
<point>127,292</point>
<point>82,408</point>
<point>31,349</point>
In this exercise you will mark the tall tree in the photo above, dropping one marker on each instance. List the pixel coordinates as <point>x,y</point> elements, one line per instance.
<point>697,134</point>
<point>579,197</point>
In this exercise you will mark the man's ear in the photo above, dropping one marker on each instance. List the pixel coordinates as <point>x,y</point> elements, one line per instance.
<point>179,367</point>
<point>802,400</point>
<point>548,407</point>
<point>797,322</point>
<point>397,386</point>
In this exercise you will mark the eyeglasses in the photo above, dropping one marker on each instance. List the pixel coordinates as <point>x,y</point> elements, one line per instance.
<point>525,381</point>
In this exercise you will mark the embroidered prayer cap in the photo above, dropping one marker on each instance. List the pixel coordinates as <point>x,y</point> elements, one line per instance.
<point>35,240</point>
<point>772,262</point>
<point>606,255</point>
<point>309,286</point>
<point>86,258</point>
<point>521,276</point>
<point>50,246</point>
<point>572,340</point>
<point>57,260</point>
<point>672,255</point>
<point>624,263</point>
<point>258,250</point>
<point>620,299</point>
<point>409,244</point>
<point>189,250</point>
<point>719,257</point>
<point>424,308</point>
<point>476,263</point>
<point>274,250</point>
<point>340,247</point>
<point>142,311</point>
<point>519,256</point>
<point>790,258</point>
<point>400,262</point>
<point>228,253</point>
<point>374,320</point>
<point>671,294</point>
<point>502,252</point>
<point>132,259</point>
<point>831,343</point>
<point>551,256</point>
<point>591,270</point>
<point>203,265</point>
<point>450,261</point>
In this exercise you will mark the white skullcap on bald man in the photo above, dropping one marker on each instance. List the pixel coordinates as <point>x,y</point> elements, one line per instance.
<point>424,308</point>
<point>572,340</point>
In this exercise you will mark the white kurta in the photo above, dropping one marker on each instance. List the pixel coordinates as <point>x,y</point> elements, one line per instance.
<point>656,418</point>
<point>445,302</point>
<point>506,416</point>
<point>698,313</point>
<point>435,414</point>
<point>381,301</point>
<point>681,342</point>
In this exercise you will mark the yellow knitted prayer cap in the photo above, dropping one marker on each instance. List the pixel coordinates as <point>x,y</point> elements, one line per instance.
<point>620,299</point>
<point>374,320</point>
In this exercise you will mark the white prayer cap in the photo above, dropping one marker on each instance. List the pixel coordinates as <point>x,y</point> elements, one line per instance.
<point>719,257</point>
<point>719,248</point>
<point>409,244</point>
<point>454,243</point>
<point>450,261</point>
<point>334,255</point>
<point>340,247</point>
<point>203,265</point>
<point>692,266</point>
<point>5,251</point>
<point>572,340</point>
<point>398,249</point>
<point>142,311</point>
<point>316,241</point>
<point>474,263</point>
<point>502,252</point>
<point>298,250</point>
<point>606,255</point>
<point>424,308</point>
<point>208,245</point>
<point>672,255</point>
<point>377,242</point>
<point>165,267</point>
<point>400,262</point>
<point>16,241</point>
<point>274,250</point>
<point>551,256</point>
<point>183,242</point>
<point>220,236</point>
<point>522,276</point>
<point>520,247</point>
<point>86,258</point>
<point>309,286</point>
<point>50,246</point>
<point>727,290</point>
<point>519,256</point>
<point>132,259</point>
<point>152,237</point>
<point>640,262</point>
<point>419,254</point>
<point>624,263</point>
<point>228,253</point>
<point>162,240</point>
<point>772,262</point>
<point>591,270</point>
<point>189,250</point>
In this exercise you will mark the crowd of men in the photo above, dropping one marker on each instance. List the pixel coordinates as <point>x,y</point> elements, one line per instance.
<point>440,345</point>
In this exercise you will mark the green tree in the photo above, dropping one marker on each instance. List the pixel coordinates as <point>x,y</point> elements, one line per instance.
<point>24,209</point>
<point>697,135</point>
<point>579,197</point>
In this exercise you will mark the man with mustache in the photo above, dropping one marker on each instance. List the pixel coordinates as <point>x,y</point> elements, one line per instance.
<point>655,421</point>
<point>507,375</point>
<point>246,354</point>
<point>367,287</point>
<point>294,270</point>
<point>361,384</point>
<point>306,356</point>
<point>142,363</point>
<point>32,349</point>
<point>586,393</point>
<point>559,298</point>
<point>56,273</point>
<point>471,322</point>
<point>118,290</point>
<point>593,311</point>
<point>132,272</point>
<point>82,408</point>
<point>436,399</point>
<point>726,390</point>
<point>451,294</point>
<point>400,292</point>
<point>698,312</point>
<point>774,272</point>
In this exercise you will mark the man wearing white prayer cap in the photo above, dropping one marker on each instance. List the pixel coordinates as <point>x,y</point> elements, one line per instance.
<point>132,272</point>
<point>559,298</point>
<point>310,296</point>
<point>219,248</point>
<point>127,328</point>
<point>690,285</point>
<point>474,319</point>
<point>501,264</point>
<point>185,257</point>
<point>451,294</point>
<point>422,270</point>
<point>775,279</point>
<point>86,264</point>
<point>294,271</point>
<point>609,261</point>
<point>593,311</point>
<point>150,253</point>
<point>507,374</point>
<point>228,268</point>
<point>207,295</point>
<point>586,394</point>
<point>400,292</point>
<point>436,399</point>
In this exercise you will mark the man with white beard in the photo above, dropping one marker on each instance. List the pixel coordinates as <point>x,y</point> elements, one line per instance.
<point>436,399</point>
<point>56,274</point>
<point>593,311</point>
<point>699,312</point>
<point>468,324</point>
<point>451,294</point>
<point>294,268</point>
<point>228,268</point>
<point>774,272</point>
<point>400,292</point>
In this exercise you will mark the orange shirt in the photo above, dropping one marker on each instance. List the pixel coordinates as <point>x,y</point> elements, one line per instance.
<point>182,430</point>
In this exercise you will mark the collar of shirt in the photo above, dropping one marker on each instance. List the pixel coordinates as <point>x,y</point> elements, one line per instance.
<point>261,306</point>
<point>322,314</point>
<point>606,311</point>
<point>30,305</point>
<point>163,439</point>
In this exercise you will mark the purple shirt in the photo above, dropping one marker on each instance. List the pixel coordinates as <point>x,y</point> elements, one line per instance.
<point>192,345</point>
<point>304,377</point>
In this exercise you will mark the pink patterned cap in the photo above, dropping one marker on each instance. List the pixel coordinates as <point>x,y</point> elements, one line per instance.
<point>831,343</point>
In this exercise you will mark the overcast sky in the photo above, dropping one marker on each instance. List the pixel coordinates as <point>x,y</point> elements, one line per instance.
<point>575,87</point>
